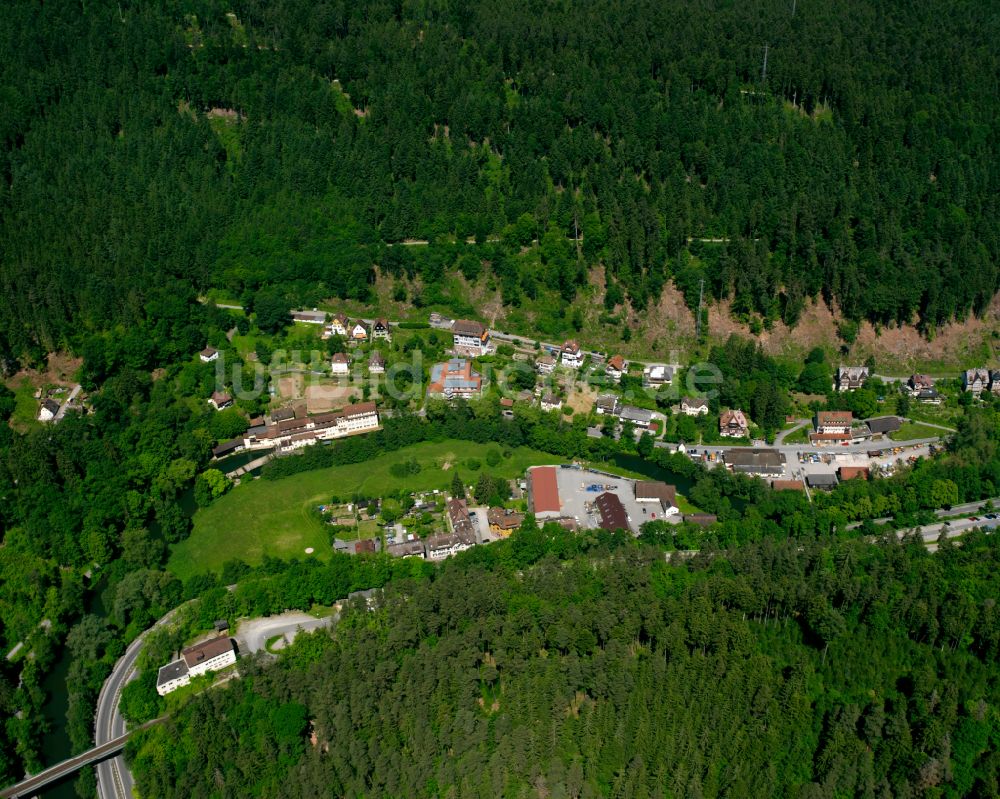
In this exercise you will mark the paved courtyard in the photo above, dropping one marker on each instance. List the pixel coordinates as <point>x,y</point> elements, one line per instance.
<point>577,501</point>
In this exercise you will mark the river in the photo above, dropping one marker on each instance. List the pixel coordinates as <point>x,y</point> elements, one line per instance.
<point>56,746</point>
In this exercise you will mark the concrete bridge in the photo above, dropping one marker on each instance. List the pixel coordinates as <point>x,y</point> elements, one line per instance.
<point>29,786</point>
<point>249,467</point>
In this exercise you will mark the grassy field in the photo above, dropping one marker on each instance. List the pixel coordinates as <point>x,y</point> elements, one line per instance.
<point>25,414</point>
<point>275,518</point>
<point>800,436</point>
<point>911,430</point>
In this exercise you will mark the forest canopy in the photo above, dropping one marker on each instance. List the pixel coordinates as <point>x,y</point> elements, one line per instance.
<point>150,147</point>
<point>784,669</point>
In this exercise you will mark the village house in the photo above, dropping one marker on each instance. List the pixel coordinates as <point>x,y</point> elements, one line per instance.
<point>834,421</point>
<point>507,407</point>
<point>640,417</point>
<point>733,424</point>
<point>340,364</point>
<point>571,355</point>
<point>359,332</point>
<point>470,338</point>
<point>339,325</point>
<point>694,406</point>
<point>414,548</point>
<point>550,402</point>
<point>48,410</point>
<point>929,396</point>
<point>995,381</point>
<point>503,522</point>
<point>545,364</point>
<point>851,377</point>
<point>455,379</point>
<point>918,383</point>
<point>656,375</point>
<point>376,363</point>
<point>381,329</point>
<point>445,545</point>
<point>976,380</point>
<point>607,404</point>
<point>220,400</point>
<point>616,367</point>
<point>656,491</point>
<point>788,485</point>
<point>832,427</point>
<point>208,355</point>
<point>459,519</point>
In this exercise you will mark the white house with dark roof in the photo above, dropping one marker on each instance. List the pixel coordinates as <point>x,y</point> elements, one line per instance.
<point>694,406</point>
<point>220,400</point>
<point>976,380</point>
<point>545,364</point>
<point>208,355</point>
<point>571,355</point>
<point>550,402</point>
<point>657,374</point>
<point>733,424</point>
<point>340,364</point>
<point>851,377</point>
<point>470,337</point>
<point>48,410</point>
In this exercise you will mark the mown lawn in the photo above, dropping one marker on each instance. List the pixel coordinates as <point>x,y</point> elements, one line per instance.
<point>265,517</point>
<point>912,430</point>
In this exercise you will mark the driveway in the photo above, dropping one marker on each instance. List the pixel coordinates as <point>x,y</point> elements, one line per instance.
<point>252,635</point>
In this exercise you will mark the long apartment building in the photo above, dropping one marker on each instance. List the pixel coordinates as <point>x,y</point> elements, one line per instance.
<point>212,655</point>
<point>302,431</point>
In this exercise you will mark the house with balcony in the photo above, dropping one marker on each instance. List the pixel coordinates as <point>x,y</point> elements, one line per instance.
<point>694,406</point>
<point>616,367</point>
<point>656,375</point>
<point>849,378</point>
<point>470,338</point>
<point>733,424</point>
<point>571,355</point>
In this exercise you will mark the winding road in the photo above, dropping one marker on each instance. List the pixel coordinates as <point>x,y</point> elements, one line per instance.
<point>114,781</point>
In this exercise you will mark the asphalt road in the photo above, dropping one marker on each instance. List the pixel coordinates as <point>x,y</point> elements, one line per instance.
<point>252,635</point>
<point>114,780</point>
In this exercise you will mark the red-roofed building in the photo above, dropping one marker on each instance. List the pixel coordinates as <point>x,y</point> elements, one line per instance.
<point>543,491</point>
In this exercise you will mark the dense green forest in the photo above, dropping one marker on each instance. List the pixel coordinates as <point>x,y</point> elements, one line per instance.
<point>828,669</point>
<point>154,150</point>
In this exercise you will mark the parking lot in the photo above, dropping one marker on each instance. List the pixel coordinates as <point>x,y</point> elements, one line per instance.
<point>578,488</point>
